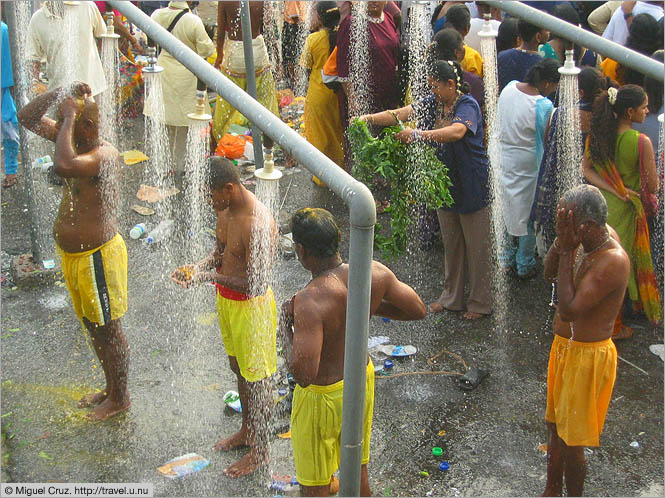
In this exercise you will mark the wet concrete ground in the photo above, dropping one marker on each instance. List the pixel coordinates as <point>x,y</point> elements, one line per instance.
<point>179,373</point>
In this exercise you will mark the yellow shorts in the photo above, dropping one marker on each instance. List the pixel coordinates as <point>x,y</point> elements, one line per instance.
<point>316,428</point>
<point>580,379</point>
<point>97,280</point>
<point>249,332</point>
<point>226,115</point>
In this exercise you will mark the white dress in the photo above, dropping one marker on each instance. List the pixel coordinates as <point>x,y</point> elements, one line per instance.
<point>522,120</point>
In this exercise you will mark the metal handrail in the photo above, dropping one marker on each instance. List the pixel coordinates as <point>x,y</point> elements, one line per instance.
<point>362,217</point>
<point>624,56</point>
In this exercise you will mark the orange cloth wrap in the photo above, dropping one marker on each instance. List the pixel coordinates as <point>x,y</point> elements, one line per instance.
<point>580,379</point>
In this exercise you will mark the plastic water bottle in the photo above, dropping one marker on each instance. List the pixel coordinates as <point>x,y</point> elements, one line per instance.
<point>42,164</point>
<point>160,232</point>
<point>137,231</point>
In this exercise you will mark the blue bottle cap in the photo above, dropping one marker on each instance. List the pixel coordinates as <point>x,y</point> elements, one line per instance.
<point>385,320</point>
<point>281,391</point>
<point>444,466</point>
<point>387,364</point>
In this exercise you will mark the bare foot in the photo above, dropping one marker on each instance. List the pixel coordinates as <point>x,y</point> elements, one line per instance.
<point>240,438</point>
<point>107,409</point>
<point>435,307</point>
<point>472,315</point>
<point>247,464</point>
<point>92,399</point>
<point>334,486</point>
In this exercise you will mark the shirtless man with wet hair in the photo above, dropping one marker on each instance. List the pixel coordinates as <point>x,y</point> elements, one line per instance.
<point>93,254</point>
<point>246,241</point>
<point>314,324</point>
<point>592,270</point>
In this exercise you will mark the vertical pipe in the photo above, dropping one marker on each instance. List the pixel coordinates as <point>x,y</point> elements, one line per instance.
<point>250,73</point>
<point>362,214</point>
<point>355,357</point>
<point>22,87</point>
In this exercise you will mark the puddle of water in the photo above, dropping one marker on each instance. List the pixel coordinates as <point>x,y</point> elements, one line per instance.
<point>56,302</point>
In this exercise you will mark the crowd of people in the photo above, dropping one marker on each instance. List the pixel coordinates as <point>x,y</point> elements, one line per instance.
<point>603,239</point>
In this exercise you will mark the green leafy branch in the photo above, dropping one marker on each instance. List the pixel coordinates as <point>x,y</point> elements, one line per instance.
<point>414,174</point>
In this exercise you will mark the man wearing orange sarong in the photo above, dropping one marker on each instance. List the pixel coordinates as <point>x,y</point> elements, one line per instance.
<point>583,359</point>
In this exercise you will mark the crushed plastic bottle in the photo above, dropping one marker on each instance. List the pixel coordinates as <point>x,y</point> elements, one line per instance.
<point>285,484</point>
<point>160,233</point>
<point>43,164</point>
<point>232,400</point>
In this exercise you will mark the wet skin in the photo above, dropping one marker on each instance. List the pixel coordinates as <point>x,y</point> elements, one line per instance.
<point>238,211</point>
<point>589,300</point>
<point>313,323</point>
<point>86,217</point>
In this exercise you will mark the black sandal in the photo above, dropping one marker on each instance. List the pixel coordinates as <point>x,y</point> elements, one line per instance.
<point>472,379</point>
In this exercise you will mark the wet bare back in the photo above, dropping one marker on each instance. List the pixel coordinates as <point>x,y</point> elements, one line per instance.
<point>597,323</point>
<point>325,298</point>
<point>87,213</point>
<point>228,19</point>
<point>234,239</point>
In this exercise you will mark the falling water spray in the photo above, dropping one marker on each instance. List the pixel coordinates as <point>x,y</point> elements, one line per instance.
<point>569,135</point>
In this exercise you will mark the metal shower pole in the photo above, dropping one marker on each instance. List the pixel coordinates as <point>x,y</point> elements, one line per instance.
<point>362,217</point>
<point>10,16</point>
<point>250,73</point>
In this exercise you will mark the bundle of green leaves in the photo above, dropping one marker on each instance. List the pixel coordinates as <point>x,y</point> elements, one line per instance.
<point>414,174</point>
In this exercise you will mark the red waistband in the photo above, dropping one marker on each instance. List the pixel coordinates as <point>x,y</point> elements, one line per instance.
<point>231,294</point>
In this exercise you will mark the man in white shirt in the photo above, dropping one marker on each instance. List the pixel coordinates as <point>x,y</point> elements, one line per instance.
<point>64,33</point>
<point>617,29</point>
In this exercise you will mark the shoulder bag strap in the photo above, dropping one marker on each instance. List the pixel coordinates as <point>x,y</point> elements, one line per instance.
<point>176,19</point>
<point>169,29</point>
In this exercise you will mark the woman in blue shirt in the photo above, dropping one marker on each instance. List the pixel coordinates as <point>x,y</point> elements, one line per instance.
<point>451,121</point>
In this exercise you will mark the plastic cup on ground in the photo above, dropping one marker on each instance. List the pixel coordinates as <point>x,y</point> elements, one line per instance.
<point>437,451</point>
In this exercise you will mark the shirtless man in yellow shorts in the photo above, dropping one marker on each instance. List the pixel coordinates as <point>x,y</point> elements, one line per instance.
<point>246,241</point>
<point>314,323</point>
<point>583,360</point>
<point>94,256</point>
<point>231,62</point>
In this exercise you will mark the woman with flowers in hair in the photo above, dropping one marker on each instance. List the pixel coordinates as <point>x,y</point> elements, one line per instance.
<point>620,162</point>
<point>451,121</point>
<point>524,113</point>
